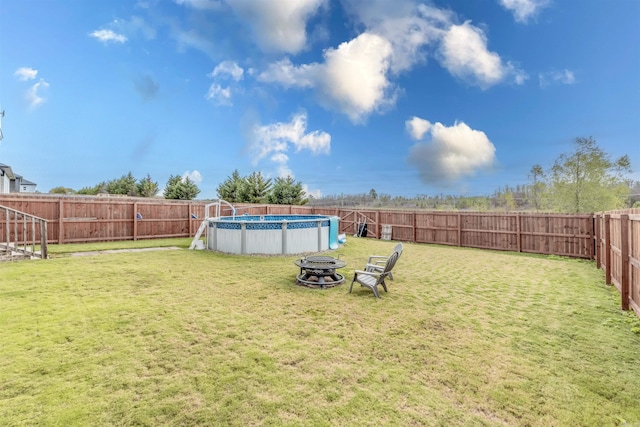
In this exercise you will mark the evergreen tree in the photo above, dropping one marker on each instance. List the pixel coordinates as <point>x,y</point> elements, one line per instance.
<point>125,185</point>
<point>230,189</point>
<point>286,191</point>
<point>254,188</point>
<point>91,191</point>
<point>179,188</point>
<point>146,187</point>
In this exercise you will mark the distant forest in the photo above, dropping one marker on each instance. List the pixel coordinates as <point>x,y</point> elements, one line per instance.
<point>583,181</point>
<point>521,198</point>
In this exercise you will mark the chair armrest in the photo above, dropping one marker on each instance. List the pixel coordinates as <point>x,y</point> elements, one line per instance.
<point>370,273</point>
<point>377,257</point>
<point>373,267</point>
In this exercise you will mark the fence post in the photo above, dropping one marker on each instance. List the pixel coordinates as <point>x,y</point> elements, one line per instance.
<point>60,220</point>
<point>596,247</point>
<point>33,235</point>
<point>607,248</point>
<point>459,229</point>
<point>7,224</point>
<point>518,232</point>
<point>44,252</point>
<point>135,221</point>
<point>624,243</point>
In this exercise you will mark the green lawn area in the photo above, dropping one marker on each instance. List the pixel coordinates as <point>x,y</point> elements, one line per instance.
<point>179,337</point>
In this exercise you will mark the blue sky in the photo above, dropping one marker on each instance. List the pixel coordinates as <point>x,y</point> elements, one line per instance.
<point>405,97</point>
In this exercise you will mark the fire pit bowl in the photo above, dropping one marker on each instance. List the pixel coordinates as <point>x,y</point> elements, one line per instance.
<point>320,271</point>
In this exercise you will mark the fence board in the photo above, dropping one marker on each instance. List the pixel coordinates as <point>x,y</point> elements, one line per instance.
<point>634,263</point>
<point>619,254</point>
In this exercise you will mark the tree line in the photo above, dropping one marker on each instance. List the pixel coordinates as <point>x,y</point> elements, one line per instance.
<point>253,188</point>
<point>583,181</point>
<point>179,188</point>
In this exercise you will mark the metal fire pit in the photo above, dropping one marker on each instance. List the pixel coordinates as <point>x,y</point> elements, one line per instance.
<point>320,271</point>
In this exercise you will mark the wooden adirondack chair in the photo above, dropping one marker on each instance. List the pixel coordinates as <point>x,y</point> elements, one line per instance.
<point>373,279</point>
<point>376,263</point>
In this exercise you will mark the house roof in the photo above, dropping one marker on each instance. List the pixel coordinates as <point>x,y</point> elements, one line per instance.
<point>11,175</point>
<point>7,171</point>
<point>26,182</point>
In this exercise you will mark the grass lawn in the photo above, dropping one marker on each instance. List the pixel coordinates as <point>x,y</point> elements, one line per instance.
<point>178,337</point>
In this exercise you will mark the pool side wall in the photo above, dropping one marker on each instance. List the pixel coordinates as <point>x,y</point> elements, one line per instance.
<point>278,237</point>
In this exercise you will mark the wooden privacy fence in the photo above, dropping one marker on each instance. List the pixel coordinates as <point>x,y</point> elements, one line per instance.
<point>552,234</point>
<point>618,238</point>
<point>75,219</point>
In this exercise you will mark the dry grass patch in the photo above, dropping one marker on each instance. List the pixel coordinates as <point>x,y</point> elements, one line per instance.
<point>464,337</point>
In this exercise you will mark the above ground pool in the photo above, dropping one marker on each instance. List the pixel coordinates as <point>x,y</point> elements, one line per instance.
<point>272,234</point>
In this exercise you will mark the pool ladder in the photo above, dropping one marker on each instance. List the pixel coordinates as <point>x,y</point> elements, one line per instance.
<point>218,204</point>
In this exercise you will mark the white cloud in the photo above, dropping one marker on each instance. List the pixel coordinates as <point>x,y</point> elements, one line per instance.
<point>25,73</point>
<point>118,30</point>
<point>464,53</point>
<point>313,193</point>
<point>417,127</point>
<point>275,140</point>
<point>195,176</point>
<point>34,95</point>
<point>519,75</point>
<point>524,9</point>
<point>228,68</point>
<point>288,75</point>
<point>452,153</point>
<point>353,78</point>
<point>281,160</point>
<point>107,36</point>
<point>278,26</point>
<point>222,95</point>
<point>414,29</point>
<point>561,77</point>
<point>408,26</point>
<point>218,94</point>
<point>357,77</point>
